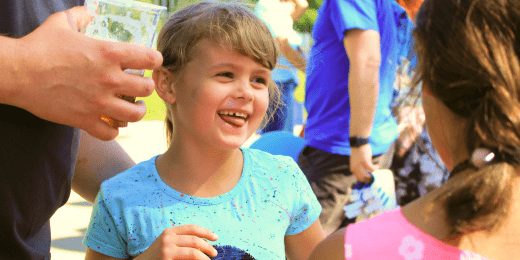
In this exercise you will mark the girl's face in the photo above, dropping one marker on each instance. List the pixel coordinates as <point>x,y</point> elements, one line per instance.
<point>220,97</point>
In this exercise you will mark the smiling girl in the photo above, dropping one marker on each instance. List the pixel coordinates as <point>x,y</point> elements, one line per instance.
<point>215,80</point>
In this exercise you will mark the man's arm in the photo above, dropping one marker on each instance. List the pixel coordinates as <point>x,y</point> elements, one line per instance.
<point>97,161</point>
<point>293,56</point>
<point>364,53</point>
<point>281,35</point>
<point>63,76</point>
<point>300,6</point>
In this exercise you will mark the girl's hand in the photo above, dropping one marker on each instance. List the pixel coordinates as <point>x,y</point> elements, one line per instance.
<point>182,242</point>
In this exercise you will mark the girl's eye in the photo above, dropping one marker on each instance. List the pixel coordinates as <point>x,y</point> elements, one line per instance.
<point>260,80</point>
<point>225,74</point>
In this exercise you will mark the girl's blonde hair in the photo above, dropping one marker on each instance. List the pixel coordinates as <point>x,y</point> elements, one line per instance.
<point>231,25</point>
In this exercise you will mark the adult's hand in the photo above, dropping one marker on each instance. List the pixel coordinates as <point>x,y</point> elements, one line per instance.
<point>63,76</point>
<point>361,163</point>
<point>182,242</point>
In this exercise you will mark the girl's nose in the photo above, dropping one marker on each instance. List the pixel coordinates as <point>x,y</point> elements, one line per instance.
<point>244,90</point>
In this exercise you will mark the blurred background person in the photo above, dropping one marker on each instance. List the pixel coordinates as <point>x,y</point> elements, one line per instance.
<point>279,16</point>
<point>416,165</point>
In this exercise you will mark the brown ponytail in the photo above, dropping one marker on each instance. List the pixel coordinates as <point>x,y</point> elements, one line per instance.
<point>468,54</point>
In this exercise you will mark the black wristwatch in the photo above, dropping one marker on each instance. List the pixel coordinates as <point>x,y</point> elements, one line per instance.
<point>357,141</point>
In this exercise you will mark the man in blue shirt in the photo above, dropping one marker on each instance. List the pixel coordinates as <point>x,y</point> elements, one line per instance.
<point>349,89</point>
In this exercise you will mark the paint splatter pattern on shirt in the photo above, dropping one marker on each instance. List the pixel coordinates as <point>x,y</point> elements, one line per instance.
<point>272,199</point>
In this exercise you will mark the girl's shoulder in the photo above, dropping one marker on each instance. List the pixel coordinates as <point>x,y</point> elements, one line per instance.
<point>138,175</point>
<point>266,159</point>
<point>278,169</point>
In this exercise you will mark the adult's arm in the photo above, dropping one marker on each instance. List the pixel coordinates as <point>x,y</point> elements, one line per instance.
<point>293,56</point>
<point>283,27</point>
<point>97,161</point>
<point>63,76</point>
<point>364,53</point>
<point>300,6</point>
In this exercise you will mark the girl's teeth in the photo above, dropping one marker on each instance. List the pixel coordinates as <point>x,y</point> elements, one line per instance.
<point>235,114</point>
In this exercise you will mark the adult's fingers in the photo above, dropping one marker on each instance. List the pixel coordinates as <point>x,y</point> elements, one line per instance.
<point>132,85</point>
<point>361,171</point>
<point>361,175</point>
<point>365,174</point>
<point>369,166</point>
<point>101,130</point>
<point>135,56</point>
<point>125,111</point>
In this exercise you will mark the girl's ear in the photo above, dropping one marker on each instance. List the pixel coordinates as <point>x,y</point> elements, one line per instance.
<point>164,85</point>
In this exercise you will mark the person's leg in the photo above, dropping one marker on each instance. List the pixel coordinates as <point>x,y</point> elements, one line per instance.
<point>331,181</point>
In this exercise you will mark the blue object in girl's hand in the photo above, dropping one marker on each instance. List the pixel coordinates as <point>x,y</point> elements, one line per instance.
<point>231,253</point>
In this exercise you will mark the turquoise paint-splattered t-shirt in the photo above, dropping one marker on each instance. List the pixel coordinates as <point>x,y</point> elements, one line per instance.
<point>272,199</point>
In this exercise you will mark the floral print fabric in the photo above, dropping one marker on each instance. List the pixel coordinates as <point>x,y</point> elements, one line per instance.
<point>390,236</point>
<point>418,171</point>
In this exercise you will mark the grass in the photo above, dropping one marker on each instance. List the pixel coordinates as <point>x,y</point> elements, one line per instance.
<point>156,109</point>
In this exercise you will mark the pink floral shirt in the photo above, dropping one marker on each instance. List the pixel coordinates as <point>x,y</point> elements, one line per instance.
<point>390,236</point>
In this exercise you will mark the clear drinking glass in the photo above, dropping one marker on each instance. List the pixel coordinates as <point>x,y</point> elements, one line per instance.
<point>123,21</point>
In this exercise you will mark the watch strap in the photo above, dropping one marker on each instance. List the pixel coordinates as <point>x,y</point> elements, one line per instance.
<point>357,141</point>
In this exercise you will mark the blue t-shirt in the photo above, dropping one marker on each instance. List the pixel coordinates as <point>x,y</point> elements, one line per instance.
<point>327,96</point>
<point>272,199</point>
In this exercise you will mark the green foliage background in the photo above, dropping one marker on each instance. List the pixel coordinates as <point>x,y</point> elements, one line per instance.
<point>303,25</point>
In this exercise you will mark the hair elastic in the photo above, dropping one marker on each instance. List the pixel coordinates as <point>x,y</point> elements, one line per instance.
<point>483,156</point>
